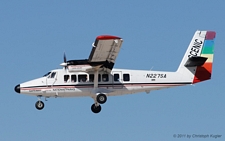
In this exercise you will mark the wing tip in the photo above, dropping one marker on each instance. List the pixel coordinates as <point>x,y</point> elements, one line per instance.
<point>107,37</point>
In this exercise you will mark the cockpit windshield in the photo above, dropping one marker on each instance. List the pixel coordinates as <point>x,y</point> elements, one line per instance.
<point>46,74</point>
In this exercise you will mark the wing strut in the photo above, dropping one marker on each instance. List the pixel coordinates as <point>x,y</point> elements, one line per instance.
<point>96,79</point>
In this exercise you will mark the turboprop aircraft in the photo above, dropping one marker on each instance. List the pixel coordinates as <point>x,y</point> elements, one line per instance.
<point>95,77</point>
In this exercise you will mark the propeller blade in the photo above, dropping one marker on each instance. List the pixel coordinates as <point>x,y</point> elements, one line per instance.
<point>64,57</point>
<point>65,62</point>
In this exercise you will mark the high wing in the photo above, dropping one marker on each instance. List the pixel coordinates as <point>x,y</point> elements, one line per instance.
<point>105,50</point>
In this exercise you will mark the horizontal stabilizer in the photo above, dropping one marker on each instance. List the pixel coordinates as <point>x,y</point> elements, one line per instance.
<point>195,61</point>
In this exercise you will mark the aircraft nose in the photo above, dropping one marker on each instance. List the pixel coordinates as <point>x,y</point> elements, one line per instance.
<point>17,88</point>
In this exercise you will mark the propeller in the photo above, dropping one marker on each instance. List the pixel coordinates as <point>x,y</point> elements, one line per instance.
<point>64,64</point>
<point>64,57</point>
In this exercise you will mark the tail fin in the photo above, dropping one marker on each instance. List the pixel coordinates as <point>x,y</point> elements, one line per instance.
<point>197,61</point>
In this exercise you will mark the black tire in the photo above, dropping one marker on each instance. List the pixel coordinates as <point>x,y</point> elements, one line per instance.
<point>39,105</point>
<point>96,109</point>
<point>101,98</point>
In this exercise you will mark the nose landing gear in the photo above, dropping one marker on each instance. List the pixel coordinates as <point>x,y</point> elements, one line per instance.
<point>39,105</point>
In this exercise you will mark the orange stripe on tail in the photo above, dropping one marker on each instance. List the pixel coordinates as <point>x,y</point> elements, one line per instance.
<point>203,73</point>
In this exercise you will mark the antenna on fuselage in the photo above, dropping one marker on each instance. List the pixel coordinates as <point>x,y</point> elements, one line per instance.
<point>151,68</point>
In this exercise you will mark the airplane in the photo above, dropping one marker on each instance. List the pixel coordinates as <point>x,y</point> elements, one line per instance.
<point>95,77</point>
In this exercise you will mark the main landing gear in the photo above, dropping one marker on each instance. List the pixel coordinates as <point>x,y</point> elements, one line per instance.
<point>96,108</point>
<point>100,99</point>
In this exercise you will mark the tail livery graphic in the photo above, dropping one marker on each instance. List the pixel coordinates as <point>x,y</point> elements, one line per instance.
<point>196,65</point>
<point>204,72</point>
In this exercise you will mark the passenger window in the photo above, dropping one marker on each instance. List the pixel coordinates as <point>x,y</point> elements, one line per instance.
<point>99,77</point>
<point>52,75</point>
<point>116,77</point>
<point>66,78</point>
<point>92,77</point>
<point>73,78</point>
<point>82,78</point>
<point>105,77</point>
<point>126,77</point>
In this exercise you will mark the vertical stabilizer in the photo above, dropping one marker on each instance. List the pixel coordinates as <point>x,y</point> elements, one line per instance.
<point>196,65</point>
<point>204,72</point>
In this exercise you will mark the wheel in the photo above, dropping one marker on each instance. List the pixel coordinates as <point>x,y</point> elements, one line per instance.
<point>39,105</point>
<point>101,98</point>
<point>96,109</point>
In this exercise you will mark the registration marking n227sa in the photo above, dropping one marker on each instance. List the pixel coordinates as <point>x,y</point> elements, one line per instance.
<point>152,75</point>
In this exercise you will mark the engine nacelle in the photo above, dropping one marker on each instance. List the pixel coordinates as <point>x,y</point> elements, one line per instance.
<point>79,68</point>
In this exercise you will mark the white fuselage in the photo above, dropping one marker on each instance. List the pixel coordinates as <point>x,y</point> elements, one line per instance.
<point>95,77</point>
<point>62,83</point>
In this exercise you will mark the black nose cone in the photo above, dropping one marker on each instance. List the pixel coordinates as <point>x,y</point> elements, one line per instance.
<point>17,88</point>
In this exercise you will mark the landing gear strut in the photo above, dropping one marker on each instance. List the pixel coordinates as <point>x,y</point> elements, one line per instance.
<point>39,105</point>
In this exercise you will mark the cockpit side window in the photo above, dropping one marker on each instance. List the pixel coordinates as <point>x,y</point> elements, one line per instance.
<point>52,75</point>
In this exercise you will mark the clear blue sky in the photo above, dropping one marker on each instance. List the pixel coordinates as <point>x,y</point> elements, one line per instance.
<point>35,34</point>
